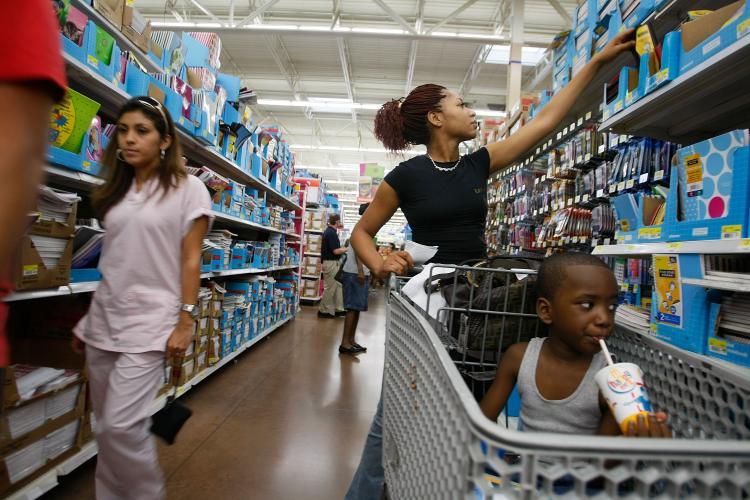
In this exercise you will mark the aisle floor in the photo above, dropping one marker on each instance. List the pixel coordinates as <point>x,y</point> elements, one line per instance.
<point>287,420</point>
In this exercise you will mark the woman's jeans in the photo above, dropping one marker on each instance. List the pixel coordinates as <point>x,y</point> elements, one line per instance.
<point>369,479</point>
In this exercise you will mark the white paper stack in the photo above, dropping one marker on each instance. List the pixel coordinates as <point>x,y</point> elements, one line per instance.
<point>58,442</point>
<point>55,205</point>
<point>735,318</point>
<point>634,318</point>
<point>49,249</point>
<point>29,379</point>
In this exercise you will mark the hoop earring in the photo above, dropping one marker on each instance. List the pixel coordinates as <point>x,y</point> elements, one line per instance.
<point>163,154</point>
<point>119,155</point>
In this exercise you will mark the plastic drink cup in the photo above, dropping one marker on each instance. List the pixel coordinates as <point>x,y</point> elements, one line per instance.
<point>621,384</point>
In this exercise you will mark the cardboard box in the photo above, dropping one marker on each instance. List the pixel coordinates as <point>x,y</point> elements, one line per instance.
<point>29,272</point>
<point>141,39</point>
<point>112,11</point>
<point>22,426</point>
<point>23,466</point>
<point>12,398</point>
<point>55,229</point>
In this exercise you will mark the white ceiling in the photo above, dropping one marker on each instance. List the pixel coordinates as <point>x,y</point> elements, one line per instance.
<point>282,64</point>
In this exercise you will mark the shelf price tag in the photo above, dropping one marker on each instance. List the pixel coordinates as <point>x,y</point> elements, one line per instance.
<point>579,159</point>
<point>745,243</point>
<point>587,157</point>
<point>578,199</point>
<point>600,193</point>
<point>612,188</point>
<point>575,239</point>
<point>659,175</point>
<point>602,149</point>
<point>630,183</point>
<point>559,135</point>
<point>674,246</point>
<point>643,179</point>
<point>621,186</point>
<point>570,201</point>
<point>588,115</point>
<point>585,198</point>
<point>580,121</point>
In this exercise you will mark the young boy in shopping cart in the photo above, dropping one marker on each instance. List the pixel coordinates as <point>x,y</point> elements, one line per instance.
<point>555,375</point>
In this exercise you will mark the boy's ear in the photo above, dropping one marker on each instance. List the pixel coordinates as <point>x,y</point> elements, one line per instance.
<point>544,310</point>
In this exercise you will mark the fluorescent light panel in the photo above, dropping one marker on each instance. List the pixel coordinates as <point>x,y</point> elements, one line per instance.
<point>342,105</point>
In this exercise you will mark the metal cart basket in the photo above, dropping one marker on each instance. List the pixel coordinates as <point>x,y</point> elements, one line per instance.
<point>437,443</point>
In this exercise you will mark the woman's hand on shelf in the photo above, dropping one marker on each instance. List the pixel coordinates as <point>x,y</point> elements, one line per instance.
<point>621,43</point>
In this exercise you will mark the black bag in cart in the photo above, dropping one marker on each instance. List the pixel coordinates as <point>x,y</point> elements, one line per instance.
<point>491,291</point>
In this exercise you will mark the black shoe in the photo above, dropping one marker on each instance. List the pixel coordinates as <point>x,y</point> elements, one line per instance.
<point>351,350</point>
<point>340,313</point>
<point>326,315</point>
<point>360,347</point>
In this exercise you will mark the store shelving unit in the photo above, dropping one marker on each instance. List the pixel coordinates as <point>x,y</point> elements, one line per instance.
<point>119,37</point>
<point>46,482</point>
<point>82,78</point>
<point>677,247</point>
<point>705,101</point>
<point>308,231</point>
<point>71,289</point>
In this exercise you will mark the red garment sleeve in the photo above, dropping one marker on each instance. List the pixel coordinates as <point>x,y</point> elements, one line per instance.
<point>30,50</point>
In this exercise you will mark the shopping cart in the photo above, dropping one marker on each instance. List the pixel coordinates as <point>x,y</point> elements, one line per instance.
<point>438,444</point>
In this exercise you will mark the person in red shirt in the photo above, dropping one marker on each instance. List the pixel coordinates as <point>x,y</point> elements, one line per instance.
<point>32,79</point>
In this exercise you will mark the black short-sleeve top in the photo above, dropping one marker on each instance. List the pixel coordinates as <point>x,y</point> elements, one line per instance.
<point>445,209</point>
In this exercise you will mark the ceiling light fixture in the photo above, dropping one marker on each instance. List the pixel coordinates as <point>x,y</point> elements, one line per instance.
<point>343,105</point>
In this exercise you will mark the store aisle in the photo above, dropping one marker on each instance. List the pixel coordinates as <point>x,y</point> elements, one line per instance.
<point>287,421</point>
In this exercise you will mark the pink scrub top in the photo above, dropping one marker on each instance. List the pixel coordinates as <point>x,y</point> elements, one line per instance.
<point>137,304</point>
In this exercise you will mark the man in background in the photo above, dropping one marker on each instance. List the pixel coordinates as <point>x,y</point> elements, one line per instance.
<point>355,280</point>
<point>332,303</point>
<point>32,79</point>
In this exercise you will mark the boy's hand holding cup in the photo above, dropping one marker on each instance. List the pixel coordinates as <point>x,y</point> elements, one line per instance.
<point>621,385</point>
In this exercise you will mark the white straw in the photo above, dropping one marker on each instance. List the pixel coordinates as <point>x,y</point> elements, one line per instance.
<point>607,355</point>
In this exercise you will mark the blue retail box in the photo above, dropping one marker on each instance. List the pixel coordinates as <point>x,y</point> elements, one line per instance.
<point>679,312</point>
<point>707,35</point>
<point>85,275</point>
<point>239,258</point>
<point>628,92</point>
<point>652,77</point>
<point>217,259</point>
<point>196,54</point>
<point>231,85</point>
<point>720,346</point>
<point>76,161</point>
<point>710,181</point>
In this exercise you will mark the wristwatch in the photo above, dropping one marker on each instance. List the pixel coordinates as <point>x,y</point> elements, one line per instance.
<point>191,309</point>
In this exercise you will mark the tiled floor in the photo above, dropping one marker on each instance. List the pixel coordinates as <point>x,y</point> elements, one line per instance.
<point>287,420</point>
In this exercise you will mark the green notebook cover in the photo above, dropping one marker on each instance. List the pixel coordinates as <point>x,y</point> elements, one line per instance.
<point>104,44</point>
<point>70,121</point>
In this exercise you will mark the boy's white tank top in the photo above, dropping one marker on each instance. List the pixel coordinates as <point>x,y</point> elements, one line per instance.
<point>579,413</point>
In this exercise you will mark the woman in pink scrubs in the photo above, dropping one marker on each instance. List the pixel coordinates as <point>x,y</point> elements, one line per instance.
<point>156,216</point>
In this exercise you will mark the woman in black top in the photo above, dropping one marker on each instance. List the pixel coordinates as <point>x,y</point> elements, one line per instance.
<point>443,194</point>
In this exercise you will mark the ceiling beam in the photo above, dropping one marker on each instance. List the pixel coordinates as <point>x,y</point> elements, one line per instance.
<point>346,70</point>
<point>205,10</point>
<point>453,15</point>
<point>258,11</point>
<point>394,15</point>
<point>560,10</point>
<point>480,57</point>
<point>231,12</point>
<point>419,23</point>
<point>336,14</point>
<point>270,29</point>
